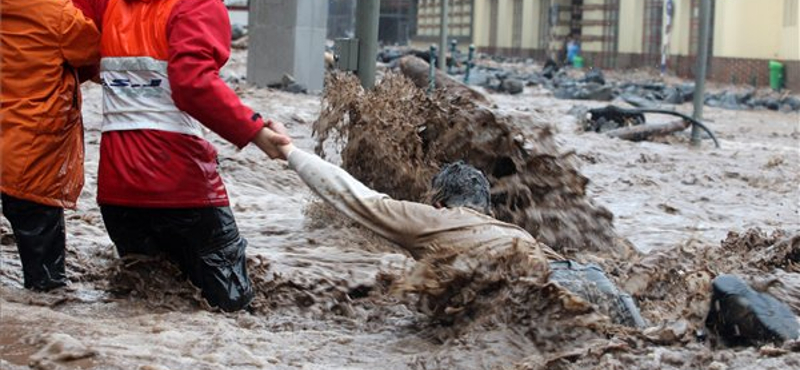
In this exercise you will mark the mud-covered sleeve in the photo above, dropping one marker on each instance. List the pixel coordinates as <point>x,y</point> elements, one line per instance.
<point>399,221</point>
<point>79,37</point>
<point>199,36</point>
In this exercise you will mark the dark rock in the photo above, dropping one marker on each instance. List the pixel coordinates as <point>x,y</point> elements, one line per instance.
<point>731,100</point>
<point>638,101</point>
<point>512,86</point>
<point>687,90</point>
<point>289,84</point>
<point>595,76</point>
<point>792,102</point>
<point>771,103</point>
<point>740,316</point>
<point>673,95</point>
<point>550,68</point>
<point>591,284</point>
<point>237,32</point>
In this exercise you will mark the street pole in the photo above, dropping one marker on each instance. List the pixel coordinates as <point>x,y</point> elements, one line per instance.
<point>702,62</point>
<point>367,16</point>
<point>443,35</point>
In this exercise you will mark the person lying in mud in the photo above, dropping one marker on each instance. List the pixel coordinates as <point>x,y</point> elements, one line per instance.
<point>457,235</point>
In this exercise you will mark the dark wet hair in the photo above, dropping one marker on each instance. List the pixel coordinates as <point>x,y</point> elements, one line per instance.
<point>461,185</point>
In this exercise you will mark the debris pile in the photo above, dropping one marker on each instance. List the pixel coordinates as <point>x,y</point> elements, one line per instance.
<point>407,135</point>
<point>593,85</point>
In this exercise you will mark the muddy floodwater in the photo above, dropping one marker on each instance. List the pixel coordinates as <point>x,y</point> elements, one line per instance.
<point>323,283</point>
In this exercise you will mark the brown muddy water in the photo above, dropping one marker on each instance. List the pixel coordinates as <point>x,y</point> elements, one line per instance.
<point>323,283</point>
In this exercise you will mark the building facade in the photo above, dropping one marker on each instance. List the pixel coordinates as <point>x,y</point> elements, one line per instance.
<point>746,34</point>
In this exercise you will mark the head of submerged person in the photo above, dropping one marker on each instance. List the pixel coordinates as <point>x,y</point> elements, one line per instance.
<point>461,185</point>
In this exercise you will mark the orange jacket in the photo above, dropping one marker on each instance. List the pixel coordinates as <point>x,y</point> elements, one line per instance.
<point>41,130</point>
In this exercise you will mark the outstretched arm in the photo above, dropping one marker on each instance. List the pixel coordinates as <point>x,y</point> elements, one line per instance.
<point>399,221</point>
<point>199,34</point>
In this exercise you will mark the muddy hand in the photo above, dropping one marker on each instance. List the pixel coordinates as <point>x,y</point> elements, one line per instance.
<point>270,138</point>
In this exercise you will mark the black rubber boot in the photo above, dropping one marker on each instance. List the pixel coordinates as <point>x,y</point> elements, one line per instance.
<point>222,275</point>
<point>204,242</point>
<point>41,239</point>
<point>590,283</point>
<point>740,316</point>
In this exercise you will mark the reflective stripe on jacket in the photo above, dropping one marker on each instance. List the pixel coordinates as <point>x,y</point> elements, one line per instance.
<point>136,95</point>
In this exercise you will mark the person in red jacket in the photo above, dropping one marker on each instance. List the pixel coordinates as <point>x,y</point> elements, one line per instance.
<point>158,186</point>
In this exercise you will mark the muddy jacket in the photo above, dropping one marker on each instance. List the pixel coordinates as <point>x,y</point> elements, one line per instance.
<point>41,131</point>
<point>160,72</point>
<point>419,228</point>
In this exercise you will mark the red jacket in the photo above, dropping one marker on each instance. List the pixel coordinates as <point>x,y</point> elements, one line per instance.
<point>154,167</point>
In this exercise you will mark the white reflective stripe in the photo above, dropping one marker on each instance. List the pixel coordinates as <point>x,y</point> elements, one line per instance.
<point>163,121</point>
<point>141,98</point>
<point>133,64</point>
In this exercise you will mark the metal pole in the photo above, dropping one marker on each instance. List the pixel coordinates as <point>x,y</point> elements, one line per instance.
<point>453,44</point>
<point>432,71</point>
<point>443,35</point>
<point>469,62</point>
<point>702,62</point>
<point>367,16</point>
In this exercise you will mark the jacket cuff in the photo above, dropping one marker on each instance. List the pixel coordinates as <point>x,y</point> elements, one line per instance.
<point>253,126</point>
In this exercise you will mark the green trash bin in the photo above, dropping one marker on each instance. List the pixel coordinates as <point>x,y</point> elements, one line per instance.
<point>775,75</point>
<point>577,62</point>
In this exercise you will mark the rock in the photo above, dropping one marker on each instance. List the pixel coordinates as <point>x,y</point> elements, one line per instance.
<point>668,333</point>
<point>595,76</point>
<point>592,285</point>
<point>550,69</point>
<point>673,95</point>
<point>792,102</point>
<point>687,90</point>
<point>289,84</point>
<point>638,101</point>
<point>771,103</point>
<point>730,100</point>
<point>237,32</point>
<point>740,316</point>
<point>512,86</point>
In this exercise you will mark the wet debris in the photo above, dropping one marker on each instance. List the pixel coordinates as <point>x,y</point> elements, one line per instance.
<point>58,348</point>
<point>399,129</point>
<point>289,84</point>
<point>593,85</point>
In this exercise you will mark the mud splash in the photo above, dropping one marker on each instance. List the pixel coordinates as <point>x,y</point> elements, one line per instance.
<point>407,135</point>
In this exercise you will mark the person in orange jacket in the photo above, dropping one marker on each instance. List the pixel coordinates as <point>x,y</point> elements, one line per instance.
<point>41,129</point>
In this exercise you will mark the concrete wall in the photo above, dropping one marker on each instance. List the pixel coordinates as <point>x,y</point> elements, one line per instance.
<point>530,24</point>
<point>790,36</point>
<point>631,26</point>
<point>481,22</point>
<point>749,29</point>
<point>755,29</point>
<point>681,28</point>
<point>287,37</point>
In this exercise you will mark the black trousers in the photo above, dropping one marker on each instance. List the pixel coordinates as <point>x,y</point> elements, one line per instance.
<point>204,242</point>
<point>41,238</point>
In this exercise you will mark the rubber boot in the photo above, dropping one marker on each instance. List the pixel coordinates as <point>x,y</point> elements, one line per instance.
<point>41,240</point>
